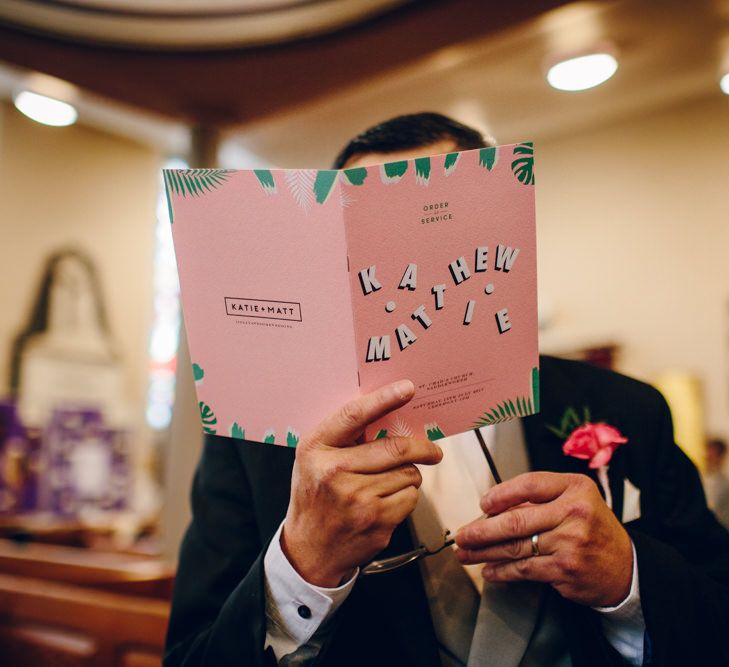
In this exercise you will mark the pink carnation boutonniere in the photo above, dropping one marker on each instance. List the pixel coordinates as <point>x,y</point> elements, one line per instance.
<point>593,442</point>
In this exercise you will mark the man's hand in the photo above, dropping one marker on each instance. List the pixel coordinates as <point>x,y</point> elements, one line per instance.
<point>585,553</point>
<point>347,498</point>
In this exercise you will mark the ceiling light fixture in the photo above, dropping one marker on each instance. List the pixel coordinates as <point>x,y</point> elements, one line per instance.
<point>44,109</point>
<point>582,72</point>
<point>724,84</point>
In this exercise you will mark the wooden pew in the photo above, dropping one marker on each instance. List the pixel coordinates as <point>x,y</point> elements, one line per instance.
<point>110,571</point>
<point>45,623</point>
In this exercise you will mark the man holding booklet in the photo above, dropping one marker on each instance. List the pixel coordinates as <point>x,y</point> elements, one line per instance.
<point>596,549</point>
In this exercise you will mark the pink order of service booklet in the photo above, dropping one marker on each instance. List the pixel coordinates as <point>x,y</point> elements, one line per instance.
<point>303,288</point>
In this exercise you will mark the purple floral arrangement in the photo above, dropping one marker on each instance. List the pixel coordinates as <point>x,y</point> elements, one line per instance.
<point>88,464</point>
<point>20,463</point>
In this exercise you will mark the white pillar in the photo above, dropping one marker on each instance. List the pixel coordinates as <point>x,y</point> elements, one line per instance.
<point>185,434</point>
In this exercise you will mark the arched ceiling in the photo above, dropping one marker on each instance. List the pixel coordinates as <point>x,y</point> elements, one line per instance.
<point>189,24</point>
<point>236,85</point>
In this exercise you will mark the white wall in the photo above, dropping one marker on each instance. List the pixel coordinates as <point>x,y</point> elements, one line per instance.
<point>633,228</point>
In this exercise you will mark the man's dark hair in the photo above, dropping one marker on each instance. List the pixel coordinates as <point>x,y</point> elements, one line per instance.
<point>411,131</point>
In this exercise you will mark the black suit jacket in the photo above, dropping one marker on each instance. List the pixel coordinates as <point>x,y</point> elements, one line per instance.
<point>241,491</point>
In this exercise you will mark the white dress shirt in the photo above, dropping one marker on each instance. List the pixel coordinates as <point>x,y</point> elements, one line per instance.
<point>296,609</point>
<point>297,613</point>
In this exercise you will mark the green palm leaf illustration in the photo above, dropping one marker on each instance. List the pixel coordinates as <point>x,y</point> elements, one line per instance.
<point>382,433</point>
<point>515,407</point>
<point>237,432</point>
<point>355,175</point>
<point>422,170</point>
<point>451,160</point>
<point>345,199</point>
<point>433,432</point>
<point>487,157</point>
<point>324,183</point>
<point>269,437</point>
<point>195,182</point>
<point>265,178</point>
<point>170,210</point>
<point>523,167</point>
<point>535,390</point>
<point>392,172</point>
<point>197,372</point>
<point>292,438</point>
<point>301,185</point>
<point>209,420</point>
<point>401,429</point>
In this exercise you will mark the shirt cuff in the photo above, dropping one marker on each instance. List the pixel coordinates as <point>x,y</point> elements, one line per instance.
<point>295,609</point>
<point>623,625</point>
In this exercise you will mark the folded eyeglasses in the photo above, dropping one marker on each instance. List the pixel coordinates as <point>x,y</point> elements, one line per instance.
<point>396,562</point>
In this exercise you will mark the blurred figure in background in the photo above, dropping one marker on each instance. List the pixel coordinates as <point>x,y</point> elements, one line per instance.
<point>716,482</point>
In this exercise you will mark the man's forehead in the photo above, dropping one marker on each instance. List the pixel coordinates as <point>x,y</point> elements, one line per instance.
<point>366,159</point>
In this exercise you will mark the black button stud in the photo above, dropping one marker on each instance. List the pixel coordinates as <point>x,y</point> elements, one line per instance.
<point>304,611</point>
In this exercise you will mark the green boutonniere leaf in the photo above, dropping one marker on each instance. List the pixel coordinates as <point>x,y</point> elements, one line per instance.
<point>570,421</point>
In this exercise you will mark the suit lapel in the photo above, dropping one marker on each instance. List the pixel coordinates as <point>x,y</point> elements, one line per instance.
<point>545,448</point>
<point>403,603</point>
<point>389,610</point>
<point>583,630</point>
<point>616,479</point>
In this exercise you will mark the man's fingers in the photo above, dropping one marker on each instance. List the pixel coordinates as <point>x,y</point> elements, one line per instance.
<point>531,487</point>
<point>386,483</point>
<point>517,523</point>
<point>343,426</point>
<point>398,506</point>
<point>536,568</point>
<point>506,551</point>
<point>388,453</point>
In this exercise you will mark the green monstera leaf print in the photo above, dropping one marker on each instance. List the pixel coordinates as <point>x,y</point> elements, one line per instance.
<point>392,172</point>
<point>355,175</point>
<point>269,437</point>
<point>237,432</point>
<point>209,420</point>
<point>382,433</point>
<point>197,373</point>
<point>523,166</point>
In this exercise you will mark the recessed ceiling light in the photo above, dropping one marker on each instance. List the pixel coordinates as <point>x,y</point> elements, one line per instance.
<point>582,72</point>
<point>46,110</point>
<point>724,84</point>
